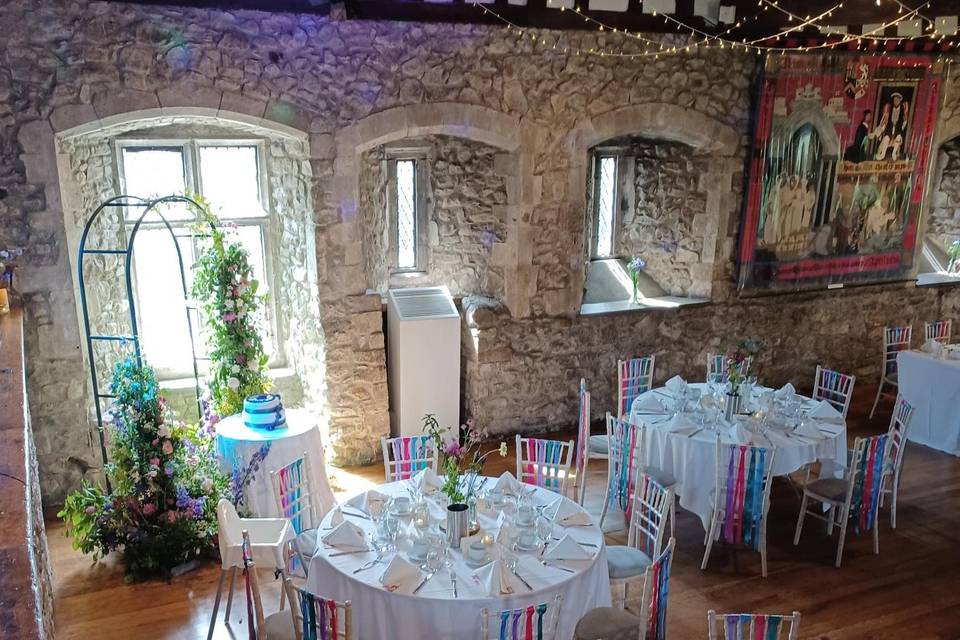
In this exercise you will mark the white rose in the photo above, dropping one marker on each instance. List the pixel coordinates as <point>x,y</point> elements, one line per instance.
<point>253,365</point>
<point>207,485</point>
<point>235,368</point>
<point>228,303</point>
<point>233,383</point>
<point>163,431</point>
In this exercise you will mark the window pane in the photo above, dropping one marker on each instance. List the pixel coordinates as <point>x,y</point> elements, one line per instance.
<point>606,197</point>
<point>150,172</point>
<point>231,180</point>
<point>164,333</point>
<point>406,214</point>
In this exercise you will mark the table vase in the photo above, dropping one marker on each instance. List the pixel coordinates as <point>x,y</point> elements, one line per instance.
<point>458,520</point>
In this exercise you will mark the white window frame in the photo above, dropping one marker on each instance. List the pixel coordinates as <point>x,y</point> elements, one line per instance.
<point>193,182</point>
<point>597,156</point>
<point>420,156</point>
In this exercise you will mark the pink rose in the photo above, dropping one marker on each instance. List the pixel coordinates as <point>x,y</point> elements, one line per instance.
<point>171,516</point>
<point>155,462</point>
<point>90,510</point>
<point>149,509</point>
<point>167,447</point>
<point>229,317</point>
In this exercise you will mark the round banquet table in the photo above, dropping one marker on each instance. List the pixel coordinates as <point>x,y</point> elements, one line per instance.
<point>932,387</point>
<point>238,445</point>
<point>690,455</point>
<point>434,612</point>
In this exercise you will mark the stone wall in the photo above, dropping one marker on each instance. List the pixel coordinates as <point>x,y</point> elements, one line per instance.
<point>944,220</point>
<point>341,88</point>
<point>466,201</point>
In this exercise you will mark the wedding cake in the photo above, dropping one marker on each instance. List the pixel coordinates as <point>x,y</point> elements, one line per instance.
<point>264,411</point>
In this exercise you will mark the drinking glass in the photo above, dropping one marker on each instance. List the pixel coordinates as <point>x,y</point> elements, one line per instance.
<point>544,531</point>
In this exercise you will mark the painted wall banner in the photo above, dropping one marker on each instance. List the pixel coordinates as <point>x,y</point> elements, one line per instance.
<point>837,169</point>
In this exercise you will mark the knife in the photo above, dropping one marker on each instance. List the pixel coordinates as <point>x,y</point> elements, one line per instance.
<point>424,581</point>
<point>525,583</point>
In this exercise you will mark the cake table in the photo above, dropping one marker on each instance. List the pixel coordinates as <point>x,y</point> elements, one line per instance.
<point>249,455</point>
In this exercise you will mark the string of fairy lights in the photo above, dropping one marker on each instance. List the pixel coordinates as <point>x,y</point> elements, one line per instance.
<point>696,38</point>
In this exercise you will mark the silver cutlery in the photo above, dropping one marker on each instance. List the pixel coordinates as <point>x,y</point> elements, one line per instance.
<point>554,566</point>
<point>424,581</point>
<point>355,515</point>
<point>370,564</point>
<point>520,577</point>
<point>347,553</point>
<point>690,435</point>
<point>582,544</point>
<point>453,581</point>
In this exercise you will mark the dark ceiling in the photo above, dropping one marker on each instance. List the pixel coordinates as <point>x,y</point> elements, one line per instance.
<point>852,14</point>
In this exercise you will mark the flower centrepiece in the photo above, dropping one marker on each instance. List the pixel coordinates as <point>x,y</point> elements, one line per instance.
<point>634,267</point>
<point>735,357</point>
<point>461,455</point>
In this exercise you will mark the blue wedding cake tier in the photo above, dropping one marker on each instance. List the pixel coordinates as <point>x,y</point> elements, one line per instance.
<point>264,411</point>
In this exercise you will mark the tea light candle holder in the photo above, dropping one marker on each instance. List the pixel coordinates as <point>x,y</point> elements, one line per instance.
<point>487,539</point>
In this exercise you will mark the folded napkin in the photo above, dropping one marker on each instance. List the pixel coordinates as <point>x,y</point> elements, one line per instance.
<point>808,429</point>
<point>400,575</point>
<point>428,481</point>
<point>931,346</point>
<point>566,513</point>
<point>682,424</point>
<point>346,534</point>
<point>566,549</point>
<point>336,519</point>
<point>676,385</point>
<point>784,392</point>
<point>648,403</point>
<point>506,483</point>
<point>493,579</point>
<point>369,502</point>
<point>824,411</point>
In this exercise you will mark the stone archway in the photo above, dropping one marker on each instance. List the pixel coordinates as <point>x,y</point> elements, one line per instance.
<point>516,139</point>
<point>670,123</point>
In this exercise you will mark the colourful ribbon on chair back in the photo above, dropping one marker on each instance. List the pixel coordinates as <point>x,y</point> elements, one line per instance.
<point>410,452</point>
<point>736,626</point>
<point>939,330</point>
<point>897,340</point>
<point>320,619</point>
<point>247,556</point>
<point>521,624</point>
<point>541,456</point>
<point>291,483</point>
<point>623,463</point>
<point>583,427</point>
<point>867,484</point>
<point>646,493</point>
<point>634,380</point>
<point>659,574</point>
<point>743,495</point>
<point>834,388</point>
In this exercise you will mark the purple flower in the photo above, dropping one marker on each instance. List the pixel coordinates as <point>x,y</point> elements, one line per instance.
<point>169,468</point>
<point>229,316</point>
<point>90,510</point>
<point>636,265</point>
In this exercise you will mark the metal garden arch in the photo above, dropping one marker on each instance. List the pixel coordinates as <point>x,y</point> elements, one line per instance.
<point>147,206</point>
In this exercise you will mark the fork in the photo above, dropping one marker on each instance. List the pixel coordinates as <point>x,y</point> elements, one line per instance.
<point>453,581</point>
<point>370,564</point>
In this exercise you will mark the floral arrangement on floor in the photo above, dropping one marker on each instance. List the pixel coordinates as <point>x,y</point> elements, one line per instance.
<point>461,456</point>
<point>634,267</point>
<point>165,484</point>
<point>227,292</point>
<point>736,355</point>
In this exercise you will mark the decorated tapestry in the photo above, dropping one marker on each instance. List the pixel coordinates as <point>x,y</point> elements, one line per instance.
<point>838,168</point>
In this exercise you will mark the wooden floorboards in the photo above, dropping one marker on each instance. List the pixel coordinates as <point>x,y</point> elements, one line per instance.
<point>910,591</point>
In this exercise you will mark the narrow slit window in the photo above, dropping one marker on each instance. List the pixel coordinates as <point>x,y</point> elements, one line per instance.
<point>606,204</point>
<point>406,214</point>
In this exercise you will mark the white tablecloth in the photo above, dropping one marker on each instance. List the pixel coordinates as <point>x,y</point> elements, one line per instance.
<point>932,387</point>
<point>433,612</point>
<point>692,460</point>
<point>237,445</point>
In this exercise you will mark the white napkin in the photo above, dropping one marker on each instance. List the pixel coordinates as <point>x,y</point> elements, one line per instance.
<point>786,391</point>
<point>346,534</point>
<point>931,346</point>
<point>808,429</point>
<point>337,518</point>
<point>682,424</point>
<point>507,484</point>
<point>493,579</point>
<point>566,549</point>
<point>400,575</point>
<point>648,403</point>
<point>566,513</point>
<point>369,502</point>
<point>428,481</point>
<point>825,411</point>
<point>676,385</point>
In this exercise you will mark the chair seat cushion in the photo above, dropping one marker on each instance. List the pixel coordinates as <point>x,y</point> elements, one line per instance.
<point>626,562</point>
<point>279,625</point>
<point>662,478</point>
<point>831,488</point>
<point>599,444</point>
<point>607,623</point>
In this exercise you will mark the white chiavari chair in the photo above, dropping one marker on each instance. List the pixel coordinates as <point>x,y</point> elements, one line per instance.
<point>511,624</point>
<point>741,499</point>
<point>752,626</point>
<point>897,444</point>
<point>834,387</point>
<point>895,340</point>
<point>321,618</point>
<point>718,370</point>
<point>404,457</point>
<point>294,499</point>
<point>583,454</point>
<point>939,330</point>
<point>648,510</point>
<point>544,463</point>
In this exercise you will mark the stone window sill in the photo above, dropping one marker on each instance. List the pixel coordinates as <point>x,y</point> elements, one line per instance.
<point>658,303</point>
<point>182,384</point>
<point>937,279</point>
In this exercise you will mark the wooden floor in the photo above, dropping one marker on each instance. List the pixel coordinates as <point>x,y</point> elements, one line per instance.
<point>910,591</point>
